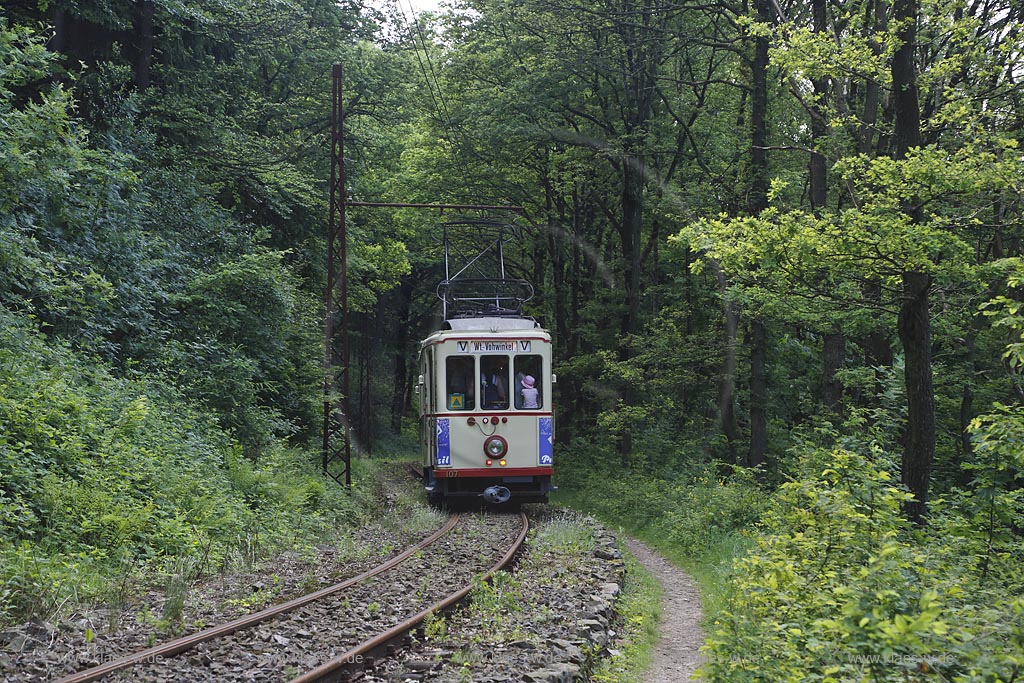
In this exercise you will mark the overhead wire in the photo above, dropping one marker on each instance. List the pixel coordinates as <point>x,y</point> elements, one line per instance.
<point>432,82</point>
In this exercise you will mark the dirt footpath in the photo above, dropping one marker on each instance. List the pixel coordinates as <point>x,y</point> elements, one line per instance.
<point>677,654</point>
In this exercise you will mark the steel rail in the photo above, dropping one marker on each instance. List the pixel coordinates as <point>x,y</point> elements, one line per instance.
<point>356,654</point>
<point>173,647</point>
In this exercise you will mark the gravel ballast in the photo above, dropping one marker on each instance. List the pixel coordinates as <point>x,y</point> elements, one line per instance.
<point>544,620</point>
<point>46,650</point>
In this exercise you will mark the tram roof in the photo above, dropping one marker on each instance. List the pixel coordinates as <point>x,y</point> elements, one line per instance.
<point>526,328</point>
<point>491,324</point>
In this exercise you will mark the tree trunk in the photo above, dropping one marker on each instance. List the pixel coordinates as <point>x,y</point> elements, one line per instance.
<point>727,382</point>
<point>834,349</point>
<point>876,23</point>
<point>915,335</point>
<point>144,13</point>
<point>914,321</point>
<point>629,233</point>
<point>727,379</point>
<point>906,108</point>
<point>558,222</point>
<point>834,357</point>
<point>757,201</point>
<point>819,127</point>
<point>757,455</point>
<point>401,376</point>
<point>966,415</point>
<point>59,41</point>
<point>365,418</point>
<point>876,344</point>
<point>639,30</point>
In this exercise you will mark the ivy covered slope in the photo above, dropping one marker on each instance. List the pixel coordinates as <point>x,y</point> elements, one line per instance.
<point>110,481</point>
<point>159,343</point>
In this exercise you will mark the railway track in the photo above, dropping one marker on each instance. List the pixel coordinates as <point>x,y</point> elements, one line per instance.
<point>325,635</point>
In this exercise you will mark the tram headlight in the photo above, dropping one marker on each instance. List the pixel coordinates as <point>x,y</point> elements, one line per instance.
<point>495,447</point>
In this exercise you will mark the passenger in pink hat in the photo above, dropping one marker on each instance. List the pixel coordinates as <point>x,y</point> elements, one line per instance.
<point>529,393</point>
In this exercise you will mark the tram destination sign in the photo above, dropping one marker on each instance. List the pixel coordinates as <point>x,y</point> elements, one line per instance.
<point>488,346</point>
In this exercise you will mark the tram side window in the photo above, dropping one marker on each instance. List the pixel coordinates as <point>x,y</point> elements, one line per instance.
<point>528,381</point>
<point>459,375</point>
<point>429,390</point>
<point>494,381</point>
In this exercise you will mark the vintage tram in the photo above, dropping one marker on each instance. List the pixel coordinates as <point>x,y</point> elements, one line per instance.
<point>485,390</point>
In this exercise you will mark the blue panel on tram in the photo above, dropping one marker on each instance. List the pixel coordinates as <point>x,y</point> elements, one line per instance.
<point>444,444</point>
<point>547,447</point>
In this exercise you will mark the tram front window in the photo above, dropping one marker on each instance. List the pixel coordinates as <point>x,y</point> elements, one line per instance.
<point>526,385</point>
<point>460,384</point>
<point>494,382</point>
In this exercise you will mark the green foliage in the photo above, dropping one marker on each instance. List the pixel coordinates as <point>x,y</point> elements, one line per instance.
<point>50,181</point>
<point>138,264</point>
<point>1007,313</point>
<point>33,581</point>
<point>838,588</point>
<point>249,348</point>
<point>997,498</point>
<point>565,534</point>
<point>435,627</point>
<point>496,597</point>
<point>157,242</point>
<point>691,512</point>
<point>101,476</point>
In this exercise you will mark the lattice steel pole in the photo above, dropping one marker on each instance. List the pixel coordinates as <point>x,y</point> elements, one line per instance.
<point>336,442</point>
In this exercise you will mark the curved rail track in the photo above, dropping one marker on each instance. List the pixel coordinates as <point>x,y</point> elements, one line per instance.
<point>364,613</point>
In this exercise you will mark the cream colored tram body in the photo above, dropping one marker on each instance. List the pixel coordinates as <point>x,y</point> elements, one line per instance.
<point>486,414</point>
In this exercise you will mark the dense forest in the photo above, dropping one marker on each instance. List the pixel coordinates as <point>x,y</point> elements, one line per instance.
<point>778,246</point>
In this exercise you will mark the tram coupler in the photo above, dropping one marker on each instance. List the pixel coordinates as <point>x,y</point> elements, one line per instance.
<point>496,495</point>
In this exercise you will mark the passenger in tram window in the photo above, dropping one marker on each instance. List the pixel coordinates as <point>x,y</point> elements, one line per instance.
<point>529,393</point>
<point>494,380</point>
<point>527,365</point>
